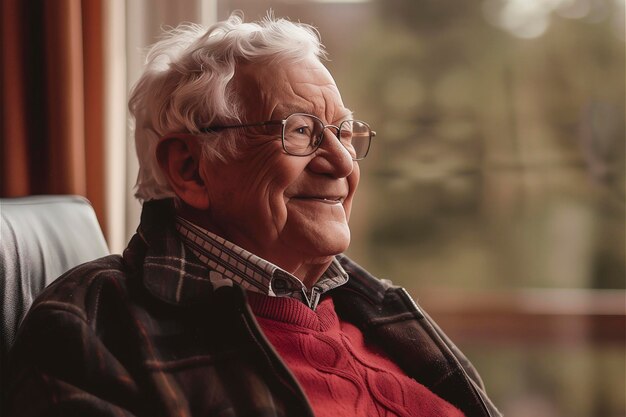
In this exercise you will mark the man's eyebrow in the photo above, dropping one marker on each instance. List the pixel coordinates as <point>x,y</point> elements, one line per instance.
<point>345,114</point>
<point>291,109</point>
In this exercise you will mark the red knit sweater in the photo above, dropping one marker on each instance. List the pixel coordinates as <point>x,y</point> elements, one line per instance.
<point>340,374</point>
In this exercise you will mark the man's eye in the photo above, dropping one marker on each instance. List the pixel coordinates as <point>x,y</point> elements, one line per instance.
<point>346,135</point>
<point>304,130</point>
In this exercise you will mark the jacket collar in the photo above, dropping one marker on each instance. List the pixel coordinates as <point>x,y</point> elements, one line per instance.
<point>173,274</point>
<point>169,271</point>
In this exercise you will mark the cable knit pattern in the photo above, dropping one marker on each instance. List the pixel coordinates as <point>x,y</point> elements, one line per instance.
<point>340,374</point>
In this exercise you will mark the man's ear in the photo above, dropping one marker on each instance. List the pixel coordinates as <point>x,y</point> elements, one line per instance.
<point>179,158</point>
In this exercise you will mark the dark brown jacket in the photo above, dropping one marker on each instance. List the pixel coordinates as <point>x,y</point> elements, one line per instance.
<point>146,334</point>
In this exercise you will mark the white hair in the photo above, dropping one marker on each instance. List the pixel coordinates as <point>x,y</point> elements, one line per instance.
<point>186,85</point>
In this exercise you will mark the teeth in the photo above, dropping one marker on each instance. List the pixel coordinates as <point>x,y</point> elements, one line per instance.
<point>328,199</point>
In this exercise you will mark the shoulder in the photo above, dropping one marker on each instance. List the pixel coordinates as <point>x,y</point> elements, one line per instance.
<point>62,350</point>
<point>67,315</point>
<point>78,290</point>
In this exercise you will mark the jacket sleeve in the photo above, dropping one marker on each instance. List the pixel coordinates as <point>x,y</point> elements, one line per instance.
<point>59,367</point>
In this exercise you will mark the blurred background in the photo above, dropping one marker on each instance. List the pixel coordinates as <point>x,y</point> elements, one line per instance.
<point>494,192</point>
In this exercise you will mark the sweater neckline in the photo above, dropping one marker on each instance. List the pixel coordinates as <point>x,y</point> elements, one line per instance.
<point>291,312</point>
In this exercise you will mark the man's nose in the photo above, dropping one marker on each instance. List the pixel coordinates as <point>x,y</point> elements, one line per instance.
<point>332,157</point>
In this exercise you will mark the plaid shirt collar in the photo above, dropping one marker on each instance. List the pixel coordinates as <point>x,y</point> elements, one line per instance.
<point>230,263</point>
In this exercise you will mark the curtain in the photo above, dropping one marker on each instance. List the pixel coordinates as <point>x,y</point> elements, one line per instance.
<point>66,69</point>
<point>52,95</point>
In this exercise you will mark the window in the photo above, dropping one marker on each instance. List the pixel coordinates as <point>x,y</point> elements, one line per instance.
<point>494,190</point>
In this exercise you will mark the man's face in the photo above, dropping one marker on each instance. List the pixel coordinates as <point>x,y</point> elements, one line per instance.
<point>287,209</point>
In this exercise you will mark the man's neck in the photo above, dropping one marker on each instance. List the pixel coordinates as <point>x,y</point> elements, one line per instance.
<point>306,269</point>
<point>310,273</point>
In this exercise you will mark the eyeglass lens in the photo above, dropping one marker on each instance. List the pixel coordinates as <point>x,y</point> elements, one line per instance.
<point>304,133</point>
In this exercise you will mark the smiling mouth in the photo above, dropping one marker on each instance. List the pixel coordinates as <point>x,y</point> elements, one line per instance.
<point>325,200</point>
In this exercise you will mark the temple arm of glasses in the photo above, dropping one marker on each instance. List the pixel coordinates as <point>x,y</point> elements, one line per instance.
<point>210,129</point>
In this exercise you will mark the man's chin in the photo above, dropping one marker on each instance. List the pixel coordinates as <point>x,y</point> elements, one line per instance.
<point>331,243</point>
<point>315,239</point>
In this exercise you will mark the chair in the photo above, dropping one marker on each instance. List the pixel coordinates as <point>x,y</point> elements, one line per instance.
<point>41,237</point>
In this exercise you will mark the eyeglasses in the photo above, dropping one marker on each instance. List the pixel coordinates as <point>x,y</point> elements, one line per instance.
<point>302,134</point>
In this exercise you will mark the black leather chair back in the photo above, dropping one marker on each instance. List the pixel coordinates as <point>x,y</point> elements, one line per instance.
<point>41,237</point>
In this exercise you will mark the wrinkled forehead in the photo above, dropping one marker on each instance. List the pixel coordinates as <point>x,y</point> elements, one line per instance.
<point>273,91</point>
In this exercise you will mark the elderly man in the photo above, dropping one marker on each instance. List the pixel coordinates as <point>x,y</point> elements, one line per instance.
<point>234,298</point>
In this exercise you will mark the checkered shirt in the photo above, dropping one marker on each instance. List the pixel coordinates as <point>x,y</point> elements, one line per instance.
<point>230,263</point>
